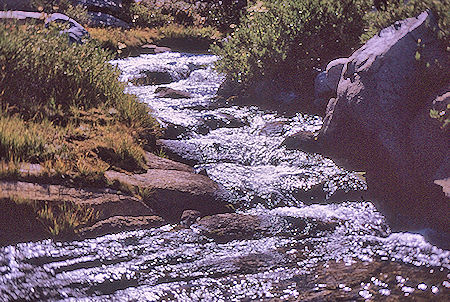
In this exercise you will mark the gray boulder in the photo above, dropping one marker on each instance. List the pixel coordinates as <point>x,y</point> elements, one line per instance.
<point>76,32</point>
<point>380,121</point>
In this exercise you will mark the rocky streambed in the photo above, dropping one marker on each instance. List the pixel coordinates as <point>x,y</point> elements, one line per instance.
<point>302,228</point>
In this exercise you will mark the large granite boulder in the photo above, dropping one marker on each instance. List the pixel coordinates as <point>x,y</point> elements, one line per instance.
<point>380,120</point>
<point>170,192</point>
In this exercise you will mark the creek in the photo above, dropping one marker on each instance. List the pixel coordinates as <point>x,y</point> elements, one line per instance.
<point>344,250</point>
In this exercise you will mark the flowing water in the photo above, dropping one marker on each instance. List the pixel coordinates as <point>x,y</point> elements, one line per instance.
<point>343,251</point>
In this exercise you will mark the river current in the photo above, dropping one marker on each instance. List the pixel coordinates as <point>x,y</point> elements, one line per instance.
<point>345,252</point>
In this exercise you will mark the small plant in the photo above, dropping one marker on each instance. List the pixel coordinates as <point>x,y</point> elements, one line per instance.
<point>443,116</point>
<point>65,219</point>
<point>21,141</point>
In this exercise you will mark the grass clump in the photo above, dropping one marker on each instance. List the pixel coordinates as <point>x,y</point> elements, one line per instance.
<point>64,219</point>
<point>20,141</point>
<point>59,101</point>
<point>60,220</point>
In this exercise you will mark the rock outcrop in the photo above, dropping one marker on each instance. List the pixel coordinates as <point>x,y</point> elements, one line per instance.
<point>136,201</point>
<point>170,192</point>
<point>378,120</point>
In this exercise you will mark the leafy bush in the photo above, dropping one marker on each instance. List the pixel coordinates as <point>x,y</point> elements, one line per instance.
<point>224,15</point>
<point>144,15</point>
<point>288,40</point>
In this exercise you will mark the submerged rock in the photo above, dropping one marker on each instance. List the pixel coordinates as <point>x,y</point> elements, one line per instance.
<point>153,78</point>
<point>166,92</point>
<point>228,227</point>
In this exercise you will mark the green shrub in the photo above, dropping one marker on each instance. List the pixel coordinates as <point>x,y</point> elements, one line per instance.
<point>144,15</point>
<point>289,40</point>
<point>224,15</point>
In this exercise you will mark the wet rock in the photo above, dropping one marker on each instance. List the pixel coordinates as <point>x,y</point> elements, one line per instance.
<point>275,128</point>
<point>232,226</point>
<point>117,224</point>
<point>189,217</point>
<point>265,93</point>
<point>220,120</point>
<point>228,227</point>
<point>165,92</point>
<point>173,131</point>
<point>153,49</point>
<point>106,202</point>
<point>170,192</point>
<point>152,78</point>
<point>156,162</point>
<point>303,140</point>
<point>99,19</point>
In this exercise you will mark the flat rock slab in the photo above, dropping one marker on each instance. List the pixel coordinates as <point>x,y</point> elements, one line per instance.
<point>170,192</point>
<point>106,201</point>
<point>121,223</point>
